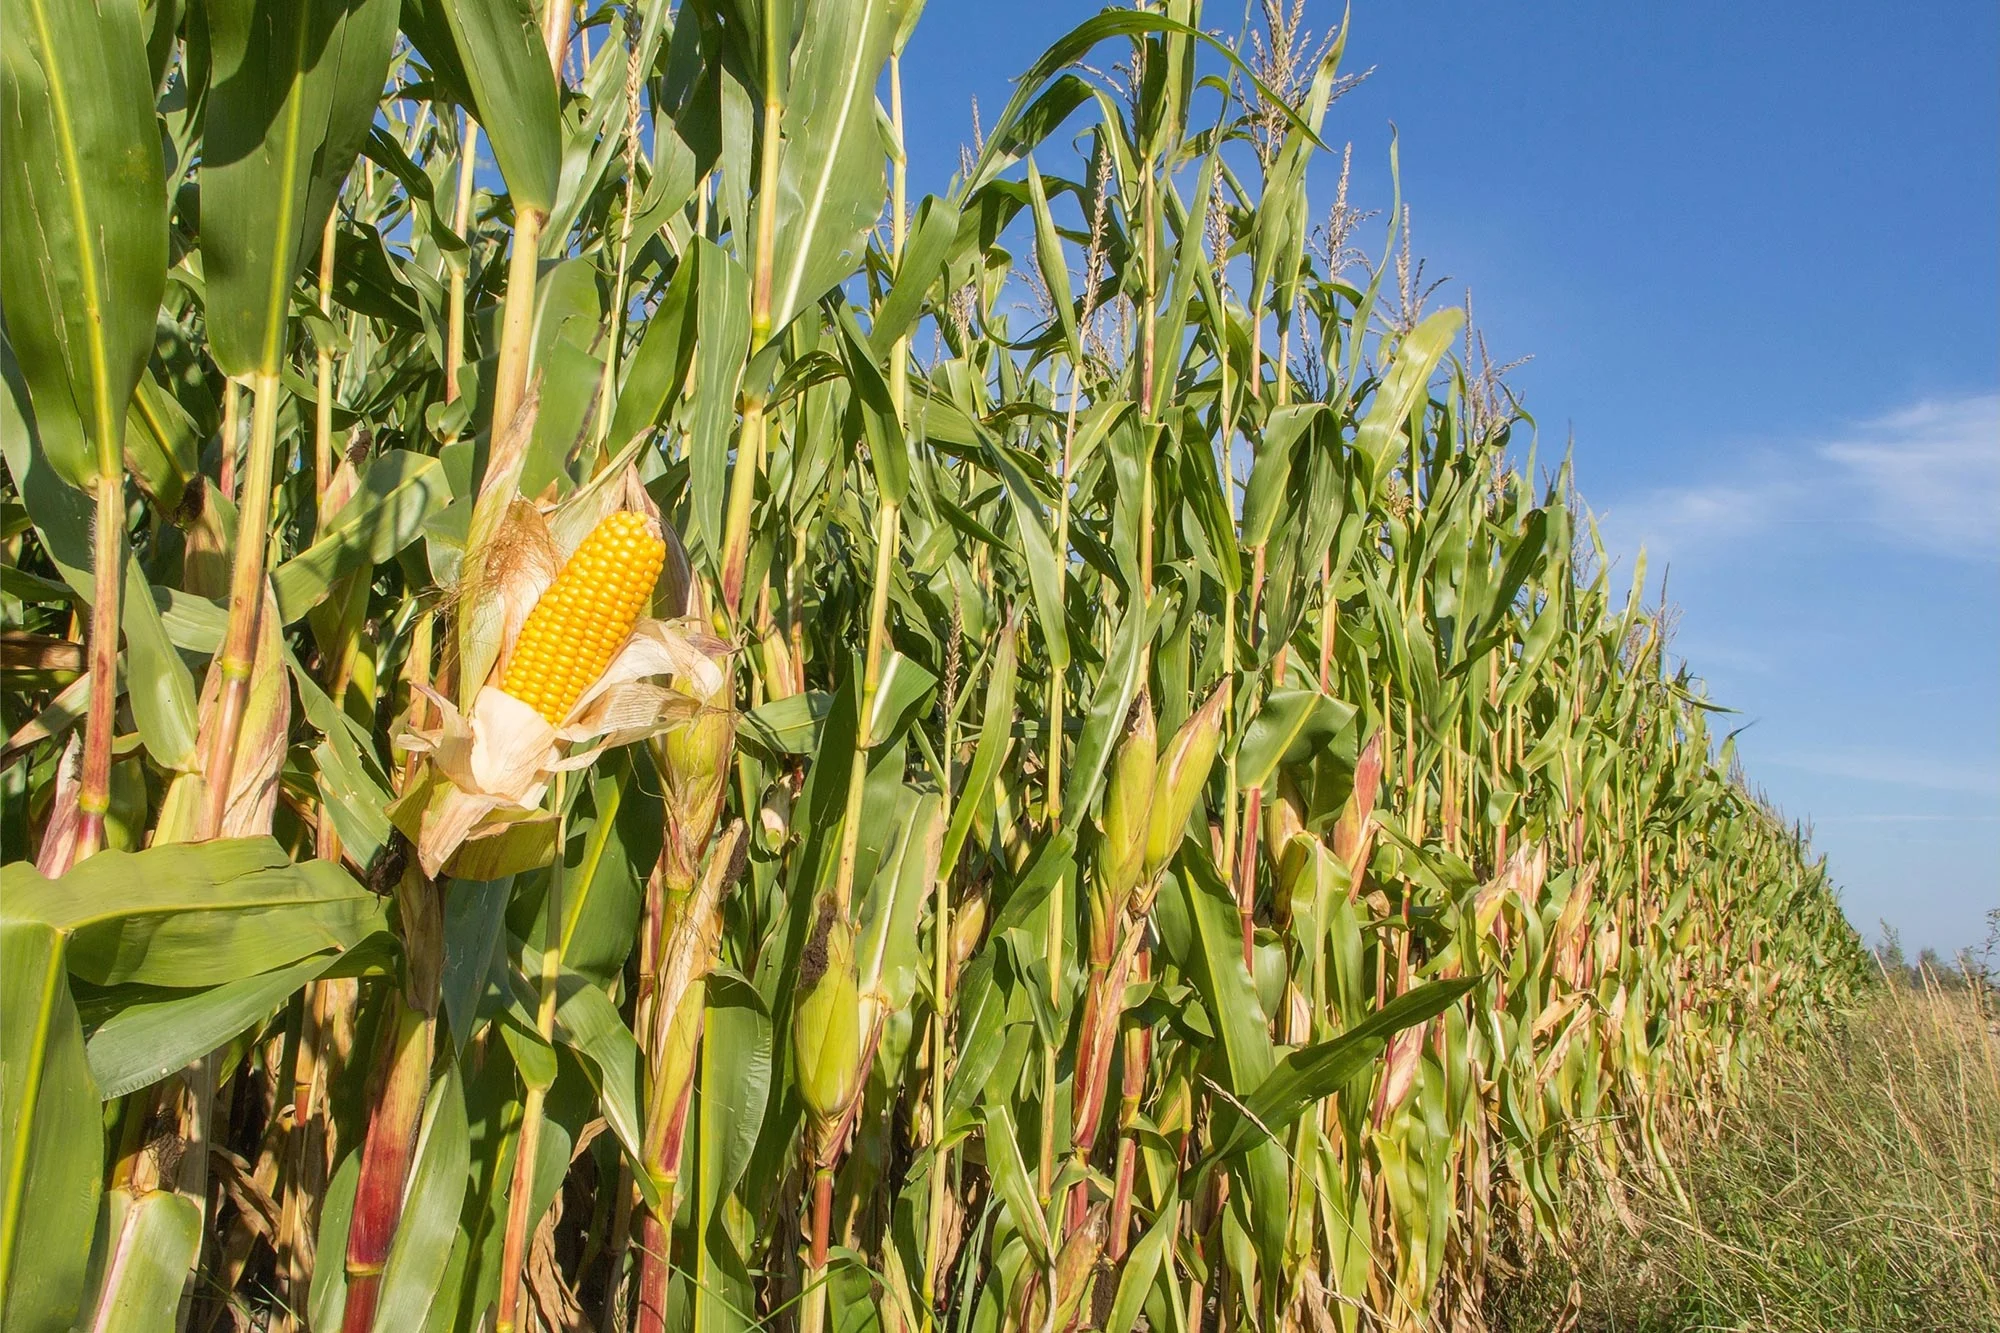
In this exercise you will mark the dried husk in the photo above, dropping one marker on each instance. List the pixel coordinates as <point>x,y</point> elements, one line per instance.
<point>260,754</point>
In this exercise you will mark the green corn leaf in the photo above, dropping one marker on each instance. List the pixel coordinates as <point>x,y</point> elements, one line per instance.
<point>1279,239</point>
<point>1143,1268</point>
<point>382,149</point>
<point>82,199</point>
<point>194,914</point>
<point>722,340</point>
<point>475,924</point>
<point>1045,572</point>
<point>354,788</point>
<point>153,1242</point>
<point>790,725</point>
<point>443,1314</point>
<point>877,408</point>
<point>1285,730</point>
<point>1009,136</point>
<point>735,1086</point>
<point>925,250</point>
<point>533,1057</point>
<point>193,623</point>
<point>605,878</point>
<point>159,683</point>
<point>1401,391</point>
<point>1312,1074</point>
<point>162,444</point>
<point>33,589</point>
<point>1489,628</point>
<point>368,281</point>
<point>51,1127</point>
<point>587,1023</point>
<point>1203,492</point>
<point>1012,1183</point>
<point>593,146</point>
<point>327,1297</point>
<point>1104,724</point>
<point>965,523</point>
<point>292,93</point>
<point>736,1056</point>
<point>1215,966</point>
<point>830,181</point>
<point>60,514</point>
<point>903,686</point>
<point>1264,498</point>
<point>397,495</point>
<point>429,34</point>
<point>153,1037</point>
<point>1190,260</point>
<point>1054,264</point>
<point>658,367</point>
<point>996,737</point>
<point>513,88</point>
<point>981,1012</point>
<point>889,952</point>
<point>568,323</point>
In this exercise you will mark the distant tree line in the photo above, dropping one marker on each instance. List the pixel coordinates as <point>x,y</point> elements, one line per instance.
<point>1969,968</point>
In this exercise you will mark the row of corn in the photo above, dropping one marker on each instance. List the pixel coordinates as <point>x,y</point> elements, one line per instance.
<point>614,723</point>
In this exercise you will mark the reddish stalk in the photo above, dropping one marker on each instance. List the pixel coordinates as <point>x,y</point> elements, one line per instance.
<point>822,1219</point>
<point>402,1068</point>
<point>94,790</point>
<point>1246,873</point>
<point>1138,1055</point>
<point>656,1257</point>
<point>654,1273</point>
<point>401,1079</point>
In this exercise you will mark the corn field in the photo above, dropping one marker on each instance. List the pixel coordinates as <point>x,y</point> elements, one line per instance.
<point>614,723</point>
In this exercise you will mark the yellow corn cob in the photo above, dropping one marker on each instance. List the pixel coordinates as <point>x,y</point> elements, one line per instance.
<point>584,616</point>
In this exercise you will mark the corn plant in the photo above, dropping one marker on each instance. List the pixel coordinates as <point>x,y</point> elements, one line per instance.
<point>614,723</point>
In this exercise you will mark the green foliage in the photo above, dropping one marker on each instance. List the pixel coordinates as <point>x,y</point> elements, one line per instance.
<point>50,1175</point>
<point>82,177</point>
<point>1141,810</point>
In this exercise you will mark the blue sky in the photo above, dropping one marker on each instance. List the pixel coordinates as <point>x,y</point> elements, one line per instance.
<point>1755,253</point>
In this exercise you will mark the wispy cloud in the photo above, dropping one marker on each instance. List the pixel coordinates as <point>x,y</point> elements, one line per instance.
<point>1897,768</point>
<point>1924,477</point>
<point>1906,819</point>
<point>1931,473</point>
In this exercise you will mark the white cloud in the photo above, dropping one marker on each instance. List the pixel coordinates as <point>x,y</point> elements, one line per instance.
<point>1926,476</point>
<point>1931,473</point>
<point>1897,768</point>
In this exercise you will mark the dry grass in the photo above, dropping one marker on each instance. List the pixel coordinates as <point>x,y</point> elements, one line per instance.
<point>1857,1188</point>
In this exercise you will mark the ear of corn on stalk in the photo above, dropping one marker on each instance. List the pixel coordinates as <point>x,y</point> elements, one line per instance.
<point>826,1028</point>
<point>1183,771</point>
<point>584,616</point>
<point>1128,806</point>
